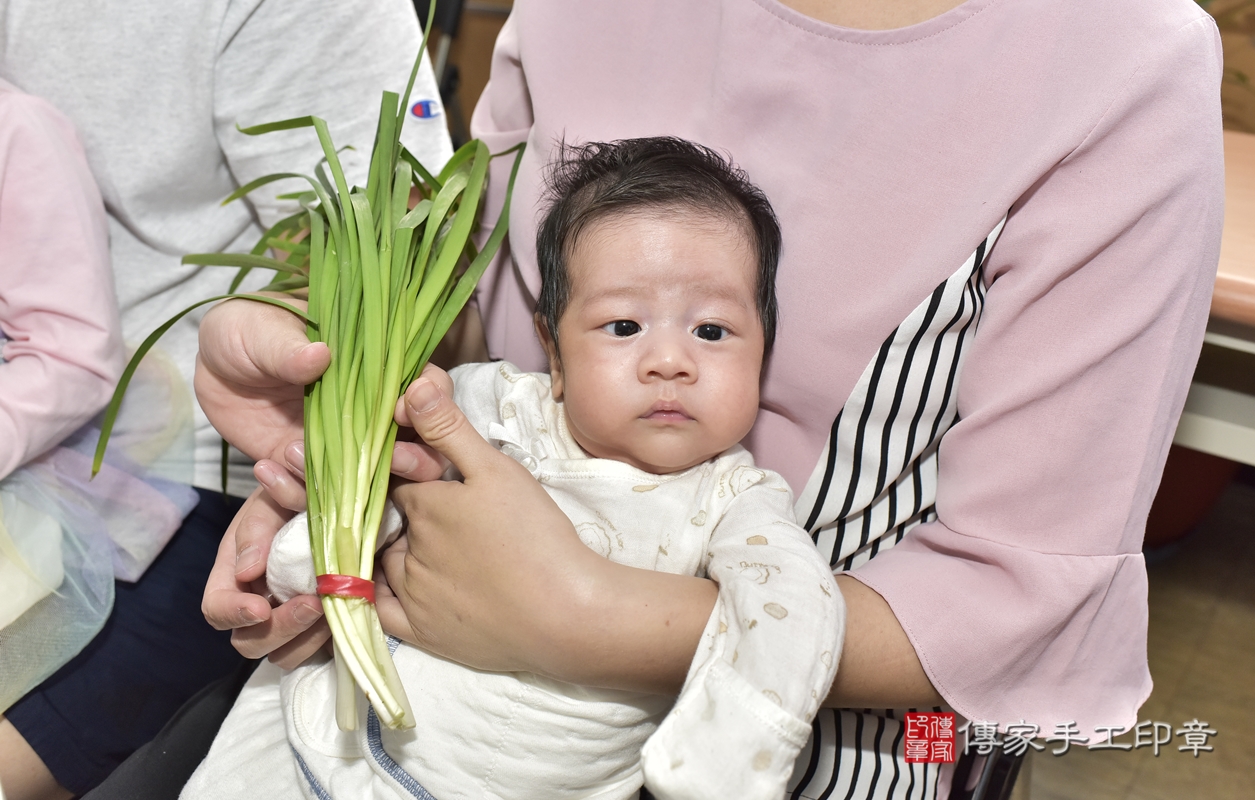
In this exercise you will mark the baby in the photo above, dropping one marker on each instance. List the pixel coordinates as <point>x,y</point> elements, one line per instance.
<point>657,310</point>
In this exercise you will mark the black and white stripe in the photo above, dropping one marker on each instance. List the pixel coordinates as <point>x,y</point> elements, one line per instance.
<point>858,756</point>
<point>875,480</point>
<point>876,477</point>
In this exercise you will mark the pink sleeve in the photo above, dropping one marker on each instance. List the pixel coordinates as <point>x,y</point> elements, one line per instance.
<point>1027,598</point>
<point>57,306</point>
<point>503,118</point>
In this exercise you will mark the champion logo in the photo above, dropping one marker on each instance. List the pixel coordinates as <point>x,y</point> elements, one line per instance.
<point>425,109</point>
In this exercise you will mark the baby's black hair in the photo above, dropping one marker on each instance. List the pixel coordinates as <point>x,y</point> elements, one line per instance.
<point>591,181</point>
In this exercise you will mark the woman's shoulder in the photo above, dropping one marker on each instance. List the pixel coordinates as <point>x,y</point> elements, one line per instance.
<point>1148,15</point>
<point>1142,26</point>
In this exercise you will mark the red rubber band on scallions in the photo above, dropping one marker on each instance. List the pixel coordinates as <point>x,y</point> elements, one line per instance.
<point>346,586</point>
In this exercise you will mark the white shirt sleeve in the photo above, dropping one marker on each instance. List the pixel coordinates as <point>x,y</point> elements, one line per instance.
<point>766,660</point>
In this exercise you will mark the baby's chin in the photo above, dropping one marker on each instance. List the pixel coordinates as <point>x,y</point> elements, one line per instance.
<point>661,463</point>
<point>668,469</point>
<point>653,454</point>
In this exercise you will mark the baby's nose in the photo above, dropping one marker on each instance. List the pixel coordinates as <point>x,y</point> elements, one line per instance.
<point>669,357</point>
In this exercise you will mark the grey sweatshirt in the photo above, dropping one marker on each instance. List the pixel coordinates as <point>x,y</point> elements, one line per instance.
<point>156,89</point>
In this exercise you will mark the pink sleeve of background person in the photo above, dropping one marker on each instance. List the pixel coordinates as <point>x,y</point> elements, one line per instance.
<point>1075,147</point>
<point>503,119</point>
<point>57,309</point>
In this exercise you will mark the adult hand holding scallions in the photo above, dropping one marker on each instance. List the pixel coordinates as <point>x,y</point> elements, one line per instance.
<point>385,282</point>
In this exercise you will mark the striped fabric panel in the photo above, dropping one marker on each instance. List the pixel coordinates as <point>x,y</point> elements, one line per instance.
<point>877,475</point>
<point>875,480</point>
<point>856,756</point>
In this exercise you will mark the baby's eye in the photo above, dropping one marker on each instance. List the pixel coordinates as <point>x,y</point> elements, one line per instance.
<point>709,332</point>
<point>622,327</point>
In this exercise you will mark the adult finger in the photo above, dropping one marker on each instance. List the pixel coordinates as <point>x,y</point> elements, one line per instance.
<point>304,645</point>
<point>255,527</point>
<point>432,373</point>
<point>391,606</point>
<point>279,634</point>
<point>253,363</point>
<point>228,602</point>
<point>391,611</point>
<point>280,484</point>
<point>444,428</point>
<point>231,603</point>
<point>412,461</point>
<point>294,457</point>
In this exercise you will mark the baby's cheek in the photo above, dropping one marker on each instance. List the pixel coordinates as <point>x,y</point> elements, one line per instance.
<point>593,420</point>
<point>737,415</point>
<point>749,414</point>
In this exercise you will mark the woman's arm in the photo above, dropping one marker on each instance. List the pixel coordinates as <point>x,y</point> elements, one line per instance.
<point>1026,597</point>
<point>879,667</point>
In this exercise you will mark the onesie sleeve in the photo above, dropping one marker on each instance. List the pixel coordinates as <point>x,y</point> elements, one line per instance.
<point>349,52</point>
<point>478,388</point>
<point>1027,598</point>
<point>57,307</point>
<point>766,659</point>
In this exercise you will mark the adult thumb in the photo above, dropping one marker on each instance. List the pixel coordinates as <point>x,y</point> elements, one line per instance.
<point>443,427</point>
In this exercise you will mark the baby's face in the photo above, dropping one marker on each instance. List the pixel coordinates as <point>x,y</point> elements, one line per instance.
<point>661,342</point>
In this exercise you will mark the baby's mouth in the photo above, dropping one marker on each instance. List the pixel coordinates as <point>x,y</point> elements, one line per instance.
<point>666,411</point>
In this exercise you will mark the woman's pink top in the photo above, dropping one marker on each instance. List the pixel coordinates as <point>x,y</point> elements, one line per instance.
<point>1007,216</point>
<point>63,352</point>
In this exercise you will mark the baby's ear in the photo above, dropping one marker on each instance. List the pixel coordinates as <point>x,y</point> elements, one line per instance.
<point>550,344</point>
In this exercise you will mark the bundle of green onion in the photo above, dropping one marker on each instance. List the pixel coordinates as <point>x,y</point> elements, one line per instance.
<point>385,282</point>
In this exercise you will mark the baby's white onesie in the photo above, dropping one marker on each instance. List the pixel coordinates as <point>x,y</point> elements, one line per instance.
<point>765,662</point>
